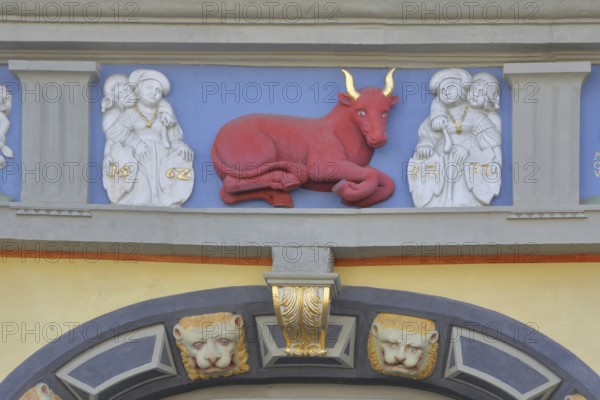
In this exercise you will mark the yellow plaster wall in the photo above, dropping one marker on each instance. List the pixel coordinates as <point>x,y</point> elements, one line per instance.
<point>41,299</point>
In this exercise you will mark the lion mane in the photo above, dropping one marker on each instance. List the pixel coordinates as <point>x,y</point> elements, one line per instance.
<point>40,392</point>
<point>400,322</point>
<point>198,321</point>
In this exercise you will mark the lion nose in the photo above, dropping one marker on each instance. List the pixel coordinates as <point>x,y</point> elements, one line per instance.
<point>213,359</point>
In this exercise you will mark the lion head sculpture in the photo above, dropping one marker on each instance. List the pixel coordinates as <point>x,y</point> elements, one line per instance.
<point>41,391</point>
<point>402,345</point>
<point>212,345</point>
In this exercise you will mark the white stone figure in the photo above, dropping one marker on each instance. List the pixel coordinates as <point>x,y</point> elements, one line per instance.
<point>146,161</point>
<point>458,157</point>
<point>5,109</point>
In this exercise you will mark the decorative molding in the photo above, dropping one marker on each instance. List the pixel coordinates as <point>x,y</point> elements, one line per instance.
<point>54,212</point>
<point>303,11</point>
<point>546,215</point>
<point>302,313</point>
<point>370,57</point>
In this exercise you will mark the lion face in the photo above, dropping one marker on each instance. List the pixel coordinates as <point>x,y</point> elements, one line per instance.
<point>212,345</point>
<point>40,392</point>
<point>403,346</point>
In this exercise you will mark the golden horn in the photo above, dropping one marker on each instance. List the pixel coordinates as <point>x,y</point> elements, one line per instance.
<point>389,83</point>
<point>350,85</point>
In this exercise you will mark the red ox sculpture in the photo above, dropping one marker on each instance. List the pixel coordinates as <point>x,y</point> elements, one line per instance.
<point>262,156</point>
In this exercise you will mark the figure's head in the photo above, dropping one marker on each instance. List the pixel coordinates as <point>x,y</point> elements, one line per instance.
<point>118,91</point>
<point>151,86</point>
<point>370,108</point>
<point>212,345</point>
<point>485,92</point>
<point>5,100</point>
<point>450,85</point>
<point>403,345</point>
<point>40,392</point>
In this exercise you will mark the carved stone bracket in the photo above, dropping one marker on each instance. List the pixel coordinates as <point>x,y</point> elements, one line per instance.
<point>302,290</point>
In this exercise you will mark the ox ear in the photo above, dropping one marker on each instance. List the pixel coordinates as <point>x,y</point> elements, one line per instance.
<point>345,99</point>
<point>393,100</point>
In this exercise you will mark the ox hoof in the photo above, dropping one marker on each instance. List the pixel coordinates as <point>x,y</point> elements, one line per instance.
<point>281,199</point>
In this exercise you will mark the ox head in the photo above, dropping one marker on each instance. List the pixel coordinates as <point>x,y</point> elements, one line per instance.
<point>370,108</point>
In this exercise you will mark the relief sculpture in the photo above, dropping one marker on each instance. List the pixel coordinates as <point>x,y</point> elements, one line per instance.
<point>402,345</point>
<point>458,157</point>
<point>262,156</point>
<point>40,392</point>
<point>212,345</point>
<point>5,151</point>
<point>146,161</point>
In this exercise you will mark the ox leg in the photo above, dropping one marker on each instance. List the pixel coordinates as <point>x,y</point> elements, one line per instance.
<point>285,176</point>
<point>383,192</point>
<point>276,198</point>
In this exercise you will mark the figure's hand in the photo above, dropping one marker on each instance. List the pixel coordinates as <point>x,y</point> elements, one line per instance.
<point>439,123</point>
<point>141,151</point>
<point>7,151</point>
<point>459,154</point>
<point>424,152</point>
<point>2,162</point>
<point>184,151</point>
<point>167,119</point>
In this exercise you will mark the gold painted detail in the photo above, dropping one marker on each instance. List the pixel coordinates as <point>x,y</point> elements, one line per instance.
<point>575,396</point>
<point>123,172</point>
<point>183,174</point>
<point>302,314</point>
<point>149,122</point>
<point>459,125</point>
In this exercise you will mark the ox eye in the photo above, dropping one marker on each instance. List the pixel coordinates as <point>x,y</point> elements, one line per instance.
<point>361,113</point>
<point>224,342</point>
<point>198,345</point>
<point>384,115</point>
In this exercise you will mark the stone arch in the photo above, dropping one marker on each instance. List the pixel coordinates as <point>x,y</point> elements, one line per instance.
<point>131,353</point>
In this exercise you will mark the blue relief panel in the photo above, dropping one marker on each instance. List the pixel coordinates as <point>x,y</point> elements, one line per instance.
<point>501,365</point>
<point>497,368</point>
<point>589,162</point>
<point>111,363</point>
<point>10,175</point>
<point>119,364</point>
<point>204,98</point>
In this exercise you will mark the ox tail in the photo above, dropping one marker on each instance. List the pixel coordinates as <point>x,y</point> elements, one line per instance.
<point>253,170</point>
